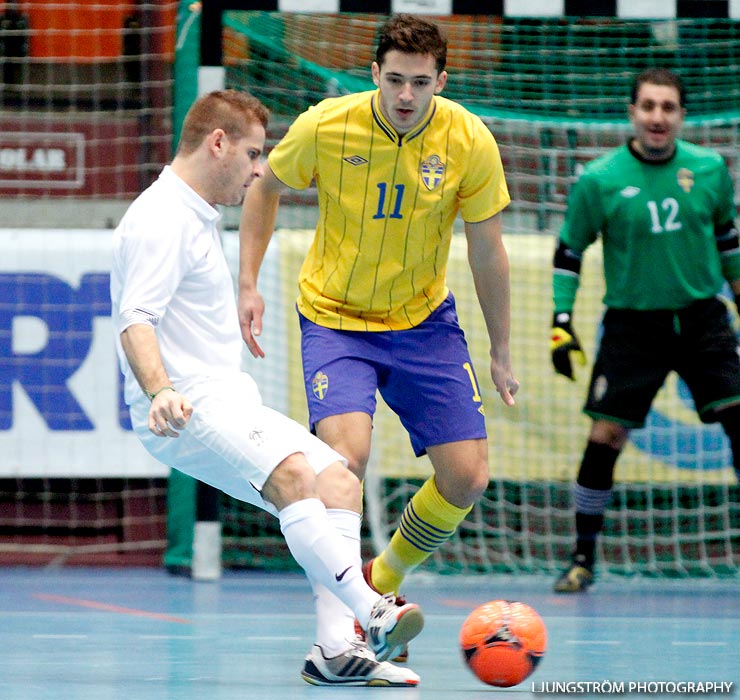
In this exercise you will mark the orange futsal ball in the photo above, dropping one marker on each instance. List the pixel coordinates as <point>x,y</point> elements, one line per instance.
<point>503,641</point>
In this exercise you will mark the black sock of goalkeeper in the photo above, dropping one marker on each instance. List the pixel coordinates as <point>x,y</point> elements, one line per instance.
<point>591,495</point>
<point>730,420</point>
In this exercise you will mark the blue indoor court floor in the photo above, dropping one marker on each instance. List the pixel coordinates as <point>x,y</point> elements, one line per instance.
<point>139,634</point>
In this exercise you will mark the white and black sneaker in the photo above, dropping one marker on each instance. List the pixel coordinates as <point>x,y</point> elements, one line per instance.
<point>355,667</point>
<point>392,626</point>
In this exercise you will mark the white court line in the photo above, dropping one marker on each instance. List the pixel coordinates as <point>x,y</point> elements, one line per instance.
<point>59,636</point>
<point>270,638</point>
<point>608,642</point>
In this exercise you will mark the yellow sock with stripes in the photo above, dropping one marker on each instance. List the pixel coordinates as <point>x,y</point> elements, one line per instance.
<point>427,522</point>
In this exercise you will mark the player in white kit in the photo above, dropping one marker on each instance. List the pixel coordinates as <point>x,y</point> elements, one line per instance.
<point>194,409</point>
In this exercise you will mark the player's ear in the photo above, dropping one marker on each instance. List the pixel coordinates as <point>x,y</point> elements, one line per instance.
<point>217,142</point>
<point>375,72</point>
<point>441,82</point>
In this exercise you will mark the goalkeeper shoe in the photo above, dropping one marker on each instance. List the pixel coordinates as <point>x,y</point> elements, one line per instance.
<point>355,667</point>
<point>392,626</point>
<point>403,655</point>
<point>576,578</point>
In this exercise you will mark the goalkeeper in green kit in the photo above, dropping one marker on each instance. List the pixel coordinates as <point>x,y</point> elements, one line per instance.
<point>664,210</point>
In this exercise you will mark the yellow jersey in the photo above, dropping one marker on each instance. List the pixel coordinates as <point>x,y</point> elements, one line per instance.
<point>387,206</point>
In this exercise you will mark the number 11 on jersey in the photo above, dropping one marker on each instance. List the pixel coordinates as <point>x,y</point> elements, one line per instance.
<point>382,190</point>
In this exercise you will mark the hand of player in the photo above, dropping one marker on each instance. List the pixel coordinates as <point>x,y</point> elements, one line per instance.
<point>251,307</point>
<point>503,379</point>
<point>170,411</point>
<point>564,346</point>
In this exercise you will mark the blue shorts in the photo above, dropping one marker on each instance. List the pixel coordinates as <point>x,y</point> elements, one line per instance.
<point>424,374</point>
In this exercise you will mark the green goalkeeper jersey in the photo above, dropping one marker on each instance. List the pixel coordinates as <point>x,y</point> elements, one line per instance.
<point>657,222</point>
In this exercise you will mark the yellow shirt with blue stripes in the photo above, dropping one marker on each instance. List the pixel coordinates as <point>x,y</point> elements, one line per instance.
<point>387,206</point>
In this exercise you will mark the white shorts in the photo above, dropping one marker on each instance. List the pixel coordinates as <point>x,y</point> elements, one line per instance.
<point>232,441</point>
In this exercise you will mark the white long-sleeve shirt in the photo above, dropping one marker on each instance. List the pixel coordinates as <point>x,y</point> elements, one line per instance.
<point>169,271</point>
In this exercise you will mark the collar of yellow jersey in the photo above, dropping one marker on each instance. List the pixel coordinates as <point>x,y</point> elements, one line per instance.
<point>388,129</point>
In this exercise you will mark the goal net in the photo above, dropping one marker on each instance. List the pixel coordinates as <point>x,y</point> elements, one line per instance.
<point>85,106</point>
<point>87,93</point>
<point>86,110</point>
<point>554,93</point>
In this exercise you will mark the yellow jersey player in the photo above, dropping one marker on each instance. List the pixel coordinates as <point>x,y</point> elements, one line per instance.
<point>394,167</point>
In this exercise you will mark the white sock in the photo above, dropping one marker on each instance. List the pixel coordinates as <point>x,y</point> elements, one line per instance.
<point>325,555</point>
<point>335,622</point>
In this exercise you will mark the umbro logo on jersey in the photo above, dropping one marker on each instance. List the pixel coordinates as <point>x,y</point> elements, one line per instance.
<point>356,160</point>
<point>630,191</point>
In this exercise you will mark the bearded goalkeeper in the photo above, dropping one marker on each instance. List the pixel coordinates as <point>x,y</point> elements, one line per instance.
<point>664,210</point>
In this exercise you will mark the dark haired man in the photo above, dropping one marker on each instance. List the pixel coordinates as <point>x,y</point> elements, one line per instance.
<point>664,210</point>
<point>394,167</point>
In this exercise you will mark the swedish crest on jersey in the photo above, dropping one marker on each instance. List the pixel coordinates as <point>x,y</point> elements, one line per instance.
<point>685,179</point>
<point>432,172</point>
<point>319,385</point>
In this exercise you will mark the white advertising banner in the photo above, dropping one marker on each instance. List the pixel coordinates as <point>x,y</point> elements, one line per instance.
<point>61,396</point>
<point>61,411</point>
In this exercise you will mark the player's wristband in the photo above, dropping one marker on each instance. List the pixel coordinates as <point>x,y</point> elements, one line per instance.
<point>159,391</point>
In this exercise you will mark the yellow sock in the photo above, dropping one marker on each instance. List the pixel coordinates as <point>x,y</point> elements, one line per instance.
<point>428,521</point>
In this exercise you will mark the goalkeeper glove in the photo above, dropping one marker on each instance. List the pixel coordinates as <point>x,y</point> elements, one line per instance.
<point>563,344</point>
